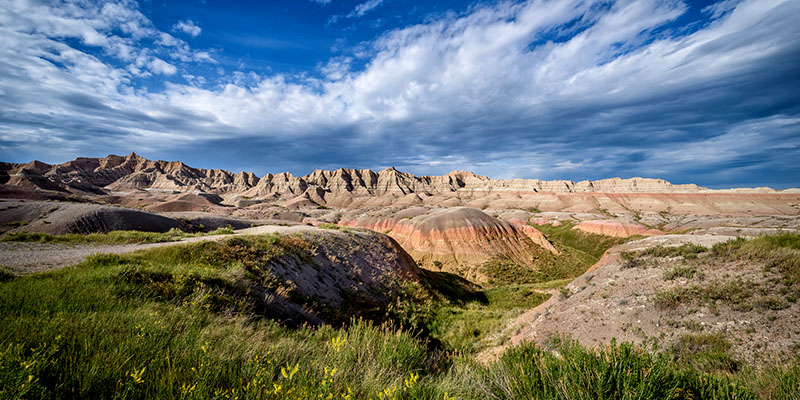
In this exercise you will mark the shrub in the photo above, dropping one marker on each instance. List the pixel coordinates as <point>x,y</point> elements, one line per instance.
<point>685,271</point>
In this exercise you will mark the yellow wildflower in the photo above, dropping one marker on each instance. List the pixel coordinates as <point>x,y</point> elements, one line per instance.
<point>411,380</point>
<point>136,375</point>
<point>337,343</point>
<point>289,375</point>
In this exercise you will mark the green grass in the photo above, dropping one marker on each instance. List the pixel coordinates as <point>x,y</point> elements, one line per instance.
<point>705,352</point>
<point>680,271</point>
<point>588,243</point>
<point>337,227</point>
<point>93,332</point>
<point>578,251</point>
<point>464,327</point>
<point>732,292</point>
<point>181,322</point>
<point>687,251</point>
<point>778,252</point>
<point>113,237</point>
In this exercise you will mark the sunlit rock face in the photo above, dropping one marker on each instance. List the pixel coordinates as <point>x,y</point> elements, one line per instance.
<point>458,239</point>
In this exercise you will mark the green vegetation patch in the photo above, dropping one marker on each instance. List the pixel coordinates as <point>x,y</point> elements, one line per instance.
<point>563,236</point>
<point>505,272</point>
<point>778,252</point>
<point>681,271</point>
<point>705,352</point>
<point>687,251</point>
<point>113,237</point>
<point>734,292</point>
<point>578,251</point>
<point>337,227</point>
<point>616,372</point>
<point>464,327</point>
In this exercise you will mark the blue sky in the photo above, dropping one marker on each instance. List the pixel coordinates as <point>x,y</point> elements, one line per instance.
<point>700,92</point>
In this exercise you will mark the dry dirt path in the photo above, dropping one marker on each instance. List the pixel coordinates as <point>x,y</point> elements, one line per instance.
<point>26,258</point>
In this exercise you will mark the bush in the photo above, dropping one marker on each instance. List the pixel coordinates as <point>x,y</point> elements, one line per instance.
<point>684,271</point>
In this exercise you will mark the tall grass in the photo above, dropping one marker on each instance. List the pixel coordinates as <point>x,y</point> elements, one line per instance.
<point>116,327</point>
<point>570,371</point>
<point>780,252</point>
<point>86,332</point>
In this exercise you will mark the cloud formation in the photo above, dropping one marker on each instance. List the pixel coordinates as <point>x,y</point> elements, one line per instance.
<point>187,27</point>
<point>364,8</point>
<point>538,89</point>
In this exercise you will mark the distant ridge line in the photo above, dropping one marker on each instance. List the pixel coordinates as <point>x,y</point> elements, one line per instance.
<point>115,173</point>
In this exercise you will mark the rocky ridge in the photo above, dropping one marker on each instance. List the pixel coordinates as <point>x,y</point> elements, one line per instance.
<point>133,172</point>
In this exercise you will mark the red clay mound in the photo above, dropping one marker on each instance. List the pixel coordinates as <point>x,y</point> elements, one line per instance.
<point>458,239</point>
<point>616,229</point>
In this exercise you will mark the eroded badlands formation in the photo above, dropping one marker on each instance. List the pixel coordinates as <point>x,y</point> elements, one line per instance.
<point>458,239</point>
<point>453,222</point>
<point>352,188</point>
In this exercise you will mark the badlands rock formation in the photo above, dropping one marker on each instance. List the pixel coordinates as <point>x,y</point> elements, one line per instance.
<point>617,207</point>
<point>69,217</point>
<point>616,228</point>
<point>120,176</point>
<point>61,218</point>
<point>458,239</point>
<point>333,275</point>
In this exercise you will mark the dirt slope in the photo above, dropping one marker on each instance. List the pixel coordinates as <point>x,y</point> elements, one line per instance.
<point>649,298</point>
<point>67,217</point>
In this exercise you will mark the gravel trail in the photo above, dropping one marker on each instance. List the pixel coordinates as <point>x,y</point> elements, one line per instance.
<point>26,258</point>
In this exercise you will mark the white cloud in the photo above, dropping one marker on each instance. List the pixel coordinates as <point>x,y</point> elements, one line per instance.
<point>160,66</point>
<point>498,87</point>
<point>188,27</point>
<point>364,8</point>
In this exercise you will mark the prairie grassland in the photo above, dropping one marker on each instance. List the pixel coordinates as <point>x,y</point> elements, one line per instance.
<point>190,331</point>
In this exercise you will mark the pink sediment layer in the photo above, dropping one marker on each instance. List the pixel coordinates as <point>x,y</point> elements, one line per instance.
<point>616,229</point>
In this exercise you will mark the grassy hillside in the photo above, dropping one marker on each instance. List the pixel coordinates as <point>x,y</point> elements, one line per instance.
<point>590,244</point>
<point>578,251</point>
<point>172,324</point>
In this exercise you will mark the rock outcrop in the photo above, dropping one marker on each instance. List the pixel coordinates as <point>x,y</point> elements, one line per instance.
<point>362,188</point>
<point>458,239</point>
<point>337,274</point>
<point>616,228</point>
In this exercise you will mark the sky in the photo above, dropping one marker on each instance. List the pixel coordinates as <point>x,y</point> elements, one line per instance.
<point>693,92</point>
